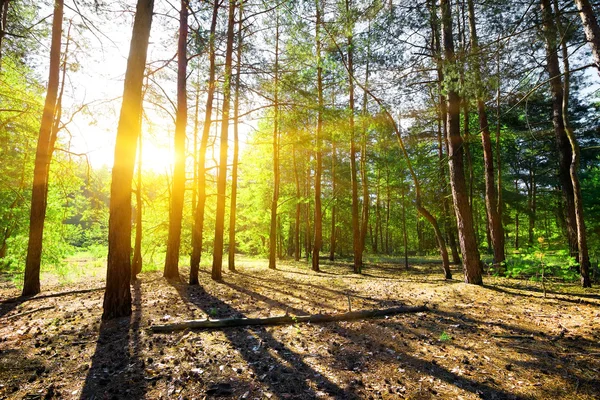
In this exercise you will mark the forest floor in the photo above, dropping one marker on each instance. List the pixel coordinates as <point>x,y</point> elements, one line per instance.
<point>500,341</point>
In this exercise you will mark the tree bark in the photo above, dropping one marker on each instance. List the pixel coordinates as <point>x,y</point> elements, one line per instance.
<point>491,201</point>
<point>236,144</point>
<point>584,259</point>
<point>591,28</point>
<point>298,208</point>
<point>198,226</point>
<point>117,297</point>
<point>217,264</point>
<point>3,22</point>
<point>43,157</point>
<point>332,241</point>
<point>562,141</point>
<point>470,253</point>
<point>276,177</point>
<point>171,270</point>
<point>318,219</point>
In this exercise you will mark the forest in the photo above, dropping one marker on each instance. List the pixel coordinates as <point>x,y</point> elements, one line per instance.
<point>338,199</point>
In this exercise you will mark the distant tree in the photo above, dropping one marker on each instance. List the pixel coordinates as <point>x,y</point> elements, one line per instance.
<point>318,213</point>
<point>117,296</point>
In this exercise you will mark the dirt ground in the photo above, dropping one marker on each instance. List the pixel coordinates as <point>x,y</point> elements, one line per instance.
<point>500,341</point>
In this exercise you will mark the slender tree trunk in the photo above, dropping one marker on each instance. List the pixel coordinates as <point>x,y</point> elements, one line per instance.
<point>562,140</point>
<point>308,231</point>
<point>584,259</point>
<point>198,226</point>
<point>491,201</point>
<point>136,264</point>
<point>357,246</point>
<point>43,157</point>
<point>591,28</point>
<point>471,262</point>
<point>333,203</point>
<point>117,297</point>
<point>531,204</point>
<point>217,264</point>
<point>3,23</point>
<point>404,233</point>
<point>276,178</point>
<point>236,145</point>
<point>318,220</point>
<point>171,270</point>
<point>298,208</point>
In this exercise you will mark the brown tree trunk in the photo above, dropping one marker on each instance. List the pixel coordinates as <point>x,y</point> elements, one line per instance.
<point>298,208</point>
<point>117,297</point>
<point>276,178</point>
<point>357,247</point>
<point>198,226</point>
<point>562,140</point>
<point>217,264</point>
<point>236,145</point>
<point>136,264</point>
<point>491,201</point>
<point>171,270</point>
<point>364,216</point>
<point>531,200</point>
<point>39,193</point>
<point>584,259</point>
<point>470,253</point>
<point>404,233</point>
<point>333,203</point>
<point>308,231</point>
<point>318,219</point>
<point>591,28</point>
<point>3,22</point>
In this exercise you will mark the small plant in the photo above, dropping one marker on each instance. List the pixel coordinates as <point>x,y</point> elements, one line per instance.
<point>213,312</point>
<point>445,337</point>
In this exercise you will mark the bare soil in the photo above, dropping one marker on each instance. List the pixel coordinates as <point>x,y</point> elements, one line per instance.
<point>500,341</point>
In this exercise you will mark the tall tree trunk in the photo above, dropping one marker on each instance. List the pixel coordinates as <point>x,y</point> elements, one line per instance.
<point>591,28</point>
<point>171,270</point>
<point>308,231</point>
<point>471,262</point>
<point>43,157</point>
<point>491,201</point>
<point>531,203</point>
<point>136,264</point>
<point>117,297</point>
<point>584,259</point>
<point>404,233</point>
<point>357,246</point>
<point>198,226</point>
<point>298,207</point>
<point>562,140</point>
<point>3,22</point>
<point>318,220</point>
<point>333,203</point>
<point>217,264</point>
<point>276,178</point>
<point>236,145</point>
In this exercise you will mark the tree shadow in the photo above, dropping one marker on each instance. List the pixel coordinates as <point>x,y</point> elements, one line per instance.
<point>281,369</point>
<point>117,370</point>
<point>513,291</point>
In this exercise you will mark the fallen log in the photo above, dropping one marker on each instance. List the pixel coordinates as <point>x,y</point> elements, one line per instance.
<point>285,319</point>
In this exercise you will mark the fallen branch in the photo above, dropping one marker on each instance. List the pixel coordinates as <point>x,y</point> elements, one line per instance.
<point>285,319</point>
<point>29,312</point>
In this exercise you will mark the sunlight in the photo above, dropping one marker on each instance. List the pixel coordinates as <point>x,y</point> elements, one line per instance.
<point>157,158</point>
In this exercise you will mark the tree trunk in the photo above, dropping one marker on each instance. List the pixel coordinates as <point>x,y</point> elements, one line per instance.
<point>3,22</point>
<point>318,220</point>
<point>584,259</point>
<point>562,140</point>
<point>117,297</point>
<point>217,264</point>
<point>298,208</point>
<point>198,226</point>
<point>531,200</point>
<point>171,270</point>
<point>43,157</point>
<point>308,231</point>
<point>471,262</point>
<point>591,28</point>
<point>333,203</point>
<point>491,201</point>
<point>236,145</point>
<point>276,178</point>
<point>404,233</point>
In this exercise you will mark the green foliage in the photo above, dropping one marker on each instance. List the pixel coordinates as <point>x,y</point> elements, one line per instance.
<point>539,261</point>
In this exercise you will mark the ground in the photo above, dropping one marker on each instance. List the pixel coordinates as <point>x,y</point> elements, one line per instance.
<point>500,341</point>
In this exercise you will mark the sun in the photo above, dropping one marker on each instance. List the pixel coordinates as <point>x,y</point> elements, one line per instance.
<point>157,158</point>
